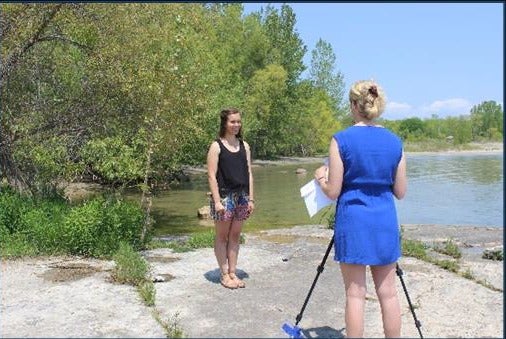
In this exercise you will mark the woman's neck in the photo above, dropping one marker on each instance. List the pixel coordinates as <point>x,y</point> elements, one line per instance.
<point>365,122</point>
<point>230,138</point>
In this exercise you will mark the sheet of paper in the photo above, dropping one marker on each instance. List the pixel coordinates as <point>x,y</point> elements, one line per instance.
<point>314,198</point>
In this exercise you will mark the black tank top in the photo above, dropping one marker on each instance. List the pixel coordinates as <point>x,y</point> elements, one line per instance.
<point>233,174</point>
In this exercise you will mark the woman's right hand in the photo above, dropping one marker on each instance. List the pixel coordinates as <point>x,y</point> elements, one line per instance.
<point>219,208</point>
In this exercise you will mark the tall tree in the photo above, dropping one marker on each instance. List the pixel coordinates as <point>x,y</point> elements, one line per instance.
<point>324,75</point>
<point>487,119</point>
<point>287,48</point>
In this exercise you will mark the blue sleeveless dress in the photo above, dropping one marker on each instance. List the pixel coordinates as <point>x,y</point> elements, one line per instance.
<point>366,230</point>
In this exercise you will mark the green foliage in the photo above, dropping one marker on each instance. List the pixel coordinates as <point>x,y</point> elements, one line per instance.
<point>12,207</point>
<point>147,292</point>
<point>171,325</point>
<point>130,92</point>
<point>49,226</point>
<point>16,245</point>
<point>412,128</point>
<point>114,160</point>
<point>96,227</point>
<point>324,76</point>
<point>414,248</point>
<point>449,265</point>
<point>488,120</point>
<point>131,268</point>
<point>43,226</point>
<point>450,248</point>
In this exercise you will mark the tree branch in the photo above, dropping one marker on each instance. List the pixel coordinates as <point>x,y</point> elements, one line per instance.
<point>12,60</point>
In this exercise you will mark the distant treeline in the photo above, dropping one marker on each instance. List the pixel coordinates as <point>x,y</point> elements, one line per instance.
<point>483,123</point>
<point>128,93</point>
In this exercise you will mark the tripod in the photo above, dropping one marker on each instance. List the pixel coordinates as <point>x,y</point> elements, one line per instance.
<point>296,332</point>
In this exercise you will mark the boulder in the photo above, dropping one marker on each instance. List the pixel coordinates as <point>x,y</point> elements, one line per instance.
<point>204,212</point>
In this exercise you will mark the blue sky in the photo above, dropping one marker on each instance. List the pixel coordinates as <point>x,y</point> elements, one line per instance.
<point>430,58</point>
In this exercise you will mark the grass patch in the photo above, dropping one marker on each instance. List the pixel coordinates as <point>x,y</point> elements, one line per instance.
<point>418,249</point>
<point>450,248</point>
<point>147,292</point>
<point>468,274</point>
<point>171,325</point>
<point>449,265</point>
<point>131,268</point>
<point>415,249</point>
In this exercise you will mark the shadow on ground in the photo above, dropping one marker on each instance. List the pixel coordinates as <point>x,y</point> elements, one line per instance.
<point>214,276</point>
<point>323,332</point>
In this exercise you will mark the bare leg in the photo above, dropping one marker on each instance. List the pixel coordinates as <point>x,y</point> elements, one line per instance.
<point>221,252</point>
<point>234,238</point>
<point>354,283</point>
<point>384,282</point>
<point>222,229</point>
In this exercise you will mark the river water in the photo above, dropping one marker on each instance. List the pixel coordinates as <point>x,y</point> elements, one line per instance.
<point>449,189</point>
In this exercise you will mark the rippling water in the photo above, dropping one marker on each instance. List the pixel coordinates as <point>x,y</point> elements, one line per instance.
<point>442,189</point>
<point>454,189</point>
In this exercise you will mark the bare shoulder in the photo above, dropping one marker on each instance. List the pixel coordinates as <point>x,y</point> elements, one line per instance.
<point>214,148</point>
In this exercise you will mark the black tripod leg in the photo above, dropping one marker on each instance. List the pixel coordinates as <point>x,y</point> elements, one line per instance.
<point>417,322</point>
<point>320,270</point>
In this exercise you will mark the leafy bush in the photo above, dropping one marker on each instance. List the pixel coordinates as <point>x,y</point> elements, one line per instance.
<point>43,226</point>
<point>12,207</point>
<point>51,225</point>
<point>97,227</point>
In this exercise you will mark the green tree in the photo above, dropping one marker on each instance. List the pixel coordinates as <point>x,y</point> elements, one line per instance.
<point>34,91</point>
<point>323,75</point>
<point>411,129</point>
<point>286,49</point>
<point>487,120</point>
<point>266,124</point>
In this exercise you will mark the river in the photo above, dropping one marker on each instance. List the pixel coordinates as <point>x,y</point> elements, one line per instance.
<point>449,189</point>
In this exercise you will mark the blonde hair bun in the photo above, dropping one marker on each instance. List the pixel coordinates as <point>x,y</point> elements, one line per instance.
<point>370,98</point>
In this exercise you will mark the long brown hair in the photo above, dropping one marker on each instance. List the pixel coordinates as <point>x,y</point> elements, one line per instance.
<point>224,118</point>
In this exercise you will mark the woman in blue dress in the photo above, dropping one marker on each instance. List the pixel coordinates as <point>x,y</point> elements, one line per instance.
<point>367,169</point>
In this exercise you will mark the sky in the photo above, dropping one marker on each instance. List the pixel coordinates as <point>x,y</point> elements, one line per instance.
<point>429,58</point>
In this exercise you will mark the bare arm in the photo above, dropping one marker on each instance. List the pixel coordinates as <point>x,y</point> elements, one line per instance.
<point>251,188</point>
<point>331,182</point>
<point>212,169</point>
<point>401,182</point>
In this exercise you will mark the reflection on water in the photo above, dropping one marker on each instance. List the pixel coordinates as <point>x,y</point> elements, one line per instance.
<point>442,189</point>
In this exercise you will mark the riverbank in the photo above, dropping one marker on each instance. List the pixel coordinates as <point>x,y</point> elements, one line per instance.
<point>73,297</point>
<point>474,149</point>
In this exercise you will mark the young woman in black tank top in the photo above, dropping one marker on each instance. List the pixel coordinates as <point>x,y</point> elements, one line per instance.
<point>231,184</point>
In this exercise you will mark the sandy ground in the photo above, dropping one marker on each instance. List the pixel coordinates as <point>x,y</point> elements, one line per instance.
<point>73,297</point>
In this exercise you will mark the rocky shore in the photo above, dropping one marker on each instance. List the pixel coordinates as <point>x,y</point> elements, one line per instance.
<point>73,297</point>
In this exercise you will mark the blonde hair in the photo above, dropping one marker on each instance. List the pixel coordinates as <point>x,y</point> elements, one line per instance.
<point>369,97</point>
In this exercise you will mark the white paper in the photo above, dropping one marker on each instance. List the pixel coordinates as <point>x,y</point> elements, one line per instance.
<point>314,198</point>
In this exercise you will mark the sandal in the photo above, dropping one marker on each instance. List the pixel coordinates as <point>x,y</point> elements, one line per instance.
<point>228,282</point>
<point>239,282</point>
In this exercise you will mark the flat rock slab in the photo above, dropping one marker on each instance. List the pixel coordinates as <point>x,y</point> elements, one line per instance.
<point>278,267</point>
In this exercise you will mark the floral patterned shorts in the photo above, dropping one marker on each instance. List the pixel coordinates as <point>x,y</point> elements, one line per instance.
<point>236,207</point>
